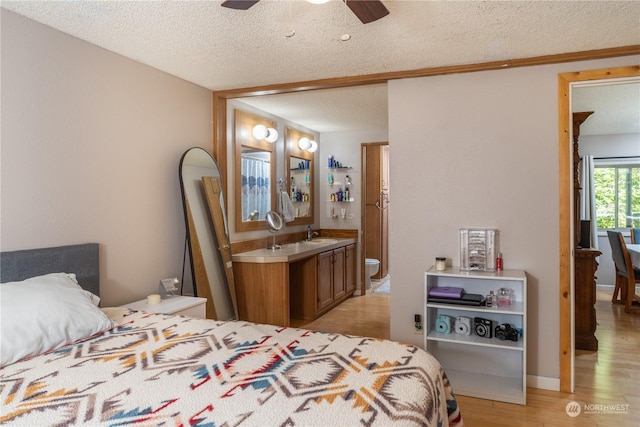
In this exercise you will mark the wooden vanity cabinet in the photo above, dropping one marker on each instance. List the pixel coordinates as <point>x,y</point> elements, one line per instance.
<point>331,282</point>
<point>339,284</point>
<point>324,281</point>
<point>321,282</point>
<point>350,269</point>
<point>302,289</point>
<point>262,291</point>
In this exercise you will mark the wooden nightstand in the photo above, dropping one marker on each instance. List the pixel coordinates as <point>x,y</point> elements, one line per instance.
<point>181,305</point>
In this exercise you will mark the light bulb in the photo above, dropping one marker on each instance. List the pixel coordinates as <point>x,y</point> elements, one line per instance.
<point>304,143</point>
<point>260,132</point>
<point>313,148</point>
<point>272,135</point>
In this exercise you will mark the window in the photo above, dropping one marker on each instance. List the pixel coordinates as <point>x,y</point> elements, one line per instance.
<point>617,192</point>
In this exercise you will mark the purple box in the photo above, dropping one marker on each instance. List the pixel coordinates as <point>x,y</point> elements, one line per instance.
<point>446,292</point>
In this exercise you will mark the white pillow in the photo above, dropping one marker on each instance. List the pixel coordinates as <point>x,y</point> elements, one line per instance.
<point>46,312</point>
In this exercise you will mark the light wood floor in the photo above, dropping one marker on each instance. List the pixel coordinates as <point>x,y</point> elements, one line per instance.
<point>610,376</point>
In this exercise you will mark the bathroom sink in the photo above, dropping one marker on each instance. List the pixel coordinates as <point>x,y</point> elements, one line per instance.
<point>320,241</point>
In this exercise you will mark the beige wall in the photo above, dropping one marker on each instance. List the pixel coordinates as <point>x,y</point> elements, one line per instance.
<point>90,148</point>
<point>479,150</point>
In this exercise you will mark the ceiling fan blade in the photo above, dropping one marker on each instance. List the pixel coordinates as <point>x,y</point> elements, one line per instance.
<point>368,10</point>
<point>239,4</point>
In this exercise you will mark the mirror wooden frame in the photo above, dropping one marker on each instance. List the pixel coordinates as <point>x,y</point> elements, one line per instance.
<point>292,136</point>
<point>243,138</point>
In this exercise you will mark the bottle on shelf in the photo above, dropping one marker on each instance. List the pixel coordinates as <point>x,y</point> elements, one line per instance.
<point>490,300</point>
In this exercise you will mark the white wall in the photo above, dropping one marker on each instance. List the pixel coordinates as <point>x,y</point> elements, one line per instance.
<point>90,148</point>
<point>346,148</point>
<point>479,150</point>
<point>620,145</point>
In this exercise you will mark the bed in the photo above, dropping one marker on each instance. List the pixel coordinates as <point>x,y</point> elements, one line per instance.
<point>137,368</point>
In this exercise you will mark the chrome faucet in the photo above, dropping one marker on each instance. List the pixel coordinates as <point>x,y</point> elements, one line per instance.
<point>311,233</point>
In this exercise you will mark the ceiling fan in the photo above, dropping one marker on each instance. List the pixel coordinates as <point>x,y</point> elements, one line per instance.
<point>366,10</point>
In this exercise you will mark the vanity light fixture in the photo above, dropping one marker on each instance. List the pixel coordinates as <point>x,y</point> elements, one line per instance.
<point>307,144</point>
<point>272,135</point>
<point>261,132</point>
<point>304,143</point>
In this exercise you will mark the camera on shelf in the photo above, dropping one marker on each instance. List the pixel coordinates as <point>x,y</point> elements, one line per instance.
<point>443,324</point>
<point>483,327</point>
<point>463,325</point>
<point>506,332</point>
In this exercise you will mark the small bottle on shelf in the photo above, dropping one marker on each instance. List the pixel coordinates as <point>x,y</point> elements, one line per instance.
<point>490,301</point>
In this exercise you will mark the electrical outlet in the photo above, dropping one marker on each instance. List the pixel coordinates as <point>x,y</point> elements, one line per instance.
<point>417,324</point>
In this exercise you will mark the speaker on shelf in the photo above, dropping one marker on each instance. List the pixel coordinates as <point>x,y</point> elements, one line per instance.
<point>585,234</point>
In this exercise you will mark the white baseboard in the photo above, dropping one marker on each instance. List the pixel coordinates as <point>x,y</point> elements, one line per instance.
<point>544,383</point>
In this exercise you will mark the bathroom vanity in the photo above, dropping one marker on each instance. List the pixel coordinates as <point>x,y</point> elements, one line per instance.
<point>302,280</point>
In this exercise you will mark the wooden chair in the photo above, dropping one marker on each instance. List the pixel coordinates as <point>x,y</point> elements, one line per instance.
<point>626,275</point>
<point>635,235</point>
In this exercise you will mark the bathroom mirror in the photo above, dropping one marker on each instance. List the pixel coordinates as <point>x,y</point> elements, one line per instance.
<point>207,233</point>
<point>254,172</point>
<point>300,175</point>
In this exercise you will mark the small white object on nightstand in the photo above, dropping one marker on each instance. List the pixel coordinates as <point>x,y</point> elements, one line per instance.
<point>181,305</point>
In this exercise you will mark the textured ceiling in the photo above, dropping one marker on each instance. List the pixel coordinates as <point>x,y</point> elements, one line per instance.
<point>330,110</point>
<point>221,48</point>
<point>616,108</point>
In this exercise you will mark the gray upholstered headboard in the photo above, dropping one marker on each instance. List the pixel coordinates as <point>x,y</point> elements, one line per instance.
<point>83,260</point>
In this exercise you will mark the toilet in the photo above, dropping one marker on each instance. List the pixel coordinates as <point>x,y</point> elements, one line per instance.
<point>371,269</point>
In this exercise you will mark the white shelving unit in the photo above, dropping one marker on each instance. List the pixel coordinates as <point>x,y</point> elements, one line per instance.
<point>487,368</point>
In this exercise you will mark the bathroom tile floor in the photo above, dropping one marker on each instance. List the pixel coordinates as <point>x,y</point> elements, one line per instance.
<point>382,287</point>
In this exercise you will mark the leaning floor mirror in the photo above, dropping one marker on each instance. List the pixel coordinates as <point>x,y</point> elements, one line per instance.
<point>208,233</point>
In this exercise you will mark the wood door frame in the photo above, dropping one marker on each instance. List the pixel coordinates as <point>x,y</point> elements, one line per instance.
<point>363,211</point>
<point>565,189</point>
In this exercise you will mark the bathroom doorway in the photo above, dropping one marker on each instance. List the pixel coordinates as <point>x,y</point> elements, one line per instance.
<point>375,209</point>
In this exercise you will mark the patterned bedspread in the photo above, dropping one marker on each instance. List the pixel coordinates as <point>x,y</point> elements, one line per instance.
<point>168,370</point>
